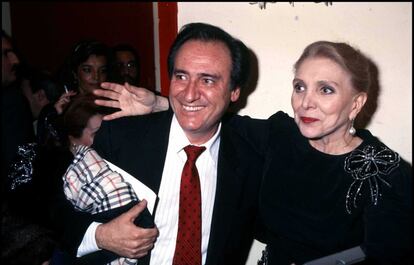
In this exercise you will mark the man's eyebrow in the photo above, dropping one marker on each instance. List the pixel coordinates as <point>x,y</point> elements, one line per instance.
<point>180,71</point>
<point>214,76</point>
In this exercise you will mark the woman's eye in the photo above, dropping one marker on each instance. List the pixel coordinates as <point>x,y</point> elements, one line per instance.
<point>298,87</point>
<point>327,90</point>
<point>86,70</point>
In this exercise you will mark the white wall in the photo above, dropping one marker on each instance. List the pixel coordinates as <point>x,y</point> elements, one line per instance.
<point>279,33</point>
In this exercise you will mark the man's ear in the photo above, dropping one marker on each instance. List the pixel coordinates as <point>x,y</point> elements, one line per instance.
<point>235,94</point>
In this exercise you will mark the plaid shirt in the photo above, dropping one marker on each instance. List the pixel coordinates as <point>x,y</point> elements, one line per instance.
<point>91,186</point>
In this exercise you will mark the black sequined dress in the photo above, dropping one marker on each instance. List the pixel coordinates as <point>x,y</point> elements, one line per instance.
<point>314,204</point>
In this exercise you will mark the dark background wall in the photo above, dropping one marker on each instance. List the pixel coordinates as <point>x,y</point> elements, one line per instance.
<point>45,32</point>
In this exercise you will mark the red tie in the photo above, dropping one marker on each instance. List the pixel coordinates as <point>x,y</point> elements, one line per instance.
<point>188,246</point>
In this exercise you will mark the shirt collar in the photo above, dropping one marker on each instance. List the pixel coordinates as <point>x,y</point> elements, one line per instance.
<point>178,139</point>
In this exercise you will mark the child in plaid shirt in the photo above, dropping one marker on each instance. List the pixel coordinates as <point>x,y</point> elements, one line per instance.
<point>89,183</point>
<point>91,186</point>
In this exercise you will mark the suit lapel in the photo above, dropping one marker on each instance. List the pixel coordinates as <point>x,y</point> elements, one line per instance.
<point>227,196</point>
<point>153,153</point>
<point>141,155</point>
<point>151,157</point>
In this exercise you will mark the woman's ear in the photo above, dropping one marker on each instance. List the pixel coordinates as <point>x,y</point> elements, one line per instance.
<point>358,103</point>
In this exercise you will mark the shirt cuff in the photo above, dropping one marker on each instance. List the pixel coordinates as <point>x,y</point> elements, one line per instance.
<point>88,244</point>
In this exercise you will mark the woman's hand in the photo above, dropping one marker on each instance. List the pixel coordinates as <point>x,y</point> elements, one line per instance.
<point>63,101</point>
<point>129,99</point>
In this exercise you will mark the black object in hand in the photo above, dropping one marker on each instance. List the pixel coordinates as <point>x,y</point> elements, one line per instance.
<point>144,220</point>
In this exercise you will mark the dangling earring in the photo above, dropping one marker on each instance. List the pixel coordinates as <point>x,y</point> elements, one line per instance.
<point>352,130</point>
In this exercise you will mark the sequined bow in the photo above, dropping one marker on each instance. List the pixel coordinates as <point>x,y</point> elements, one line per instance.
<point>369,165</point>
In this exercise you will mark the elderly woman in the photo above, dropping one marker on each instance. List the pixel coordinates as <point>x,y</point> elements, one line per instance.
<point>327,187</point>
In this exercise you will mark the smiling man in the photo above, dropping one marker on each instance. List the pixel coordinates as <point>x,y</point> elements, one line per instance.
<point>207,69</point>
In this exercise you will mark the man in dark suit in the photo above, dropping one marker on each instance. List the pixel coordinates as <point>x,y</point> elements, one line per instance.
<point>16,120</point>
<point>207,69</point>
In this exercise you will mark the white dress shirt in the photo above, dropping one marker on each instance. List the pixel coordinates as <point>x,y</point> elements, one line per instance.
<point>166,216</point>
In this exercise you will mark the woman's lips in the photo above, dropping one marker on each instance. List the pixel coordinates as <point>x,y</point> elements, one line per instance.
<point>308,119</point>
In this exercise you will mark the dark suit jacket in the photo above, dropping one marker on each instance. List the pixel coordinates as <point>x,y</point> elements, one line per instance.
<point>139,145</point>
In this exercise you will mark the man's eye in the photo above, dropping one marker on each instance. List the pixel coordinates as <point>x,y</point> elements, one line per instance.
<point>132,65</point>
<point>103,70</point>
<point>180,77</point>
<point>208,81</point>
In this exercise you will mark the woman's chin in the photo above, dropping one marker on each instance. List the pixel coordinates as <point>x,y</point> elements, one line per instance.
<point>309,133</point>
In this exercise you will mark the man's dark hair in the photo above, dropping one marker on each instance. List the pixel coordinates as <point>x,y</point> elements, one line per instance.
<point>205,32</point>
<point>126,47</point>
<point>86,48</point>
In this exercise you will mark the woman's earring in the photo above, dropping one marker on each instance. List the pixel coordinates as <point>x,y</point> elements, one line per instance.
<point>352,130</point>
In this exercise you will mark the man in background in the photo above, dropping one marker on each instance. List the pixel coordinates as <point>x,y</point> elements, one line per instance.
<point>16,120</point>
<point>126,64</point>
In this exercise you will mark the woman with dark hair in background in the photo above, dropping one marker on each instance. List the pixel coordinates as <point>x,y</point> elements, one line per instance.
<point>83,71</point>
<point>86,67</point>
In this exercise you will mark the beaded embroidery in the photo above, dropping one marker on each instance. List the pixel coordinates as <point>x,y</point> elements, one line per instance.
<point>21,170</point>
<point>368,166</point>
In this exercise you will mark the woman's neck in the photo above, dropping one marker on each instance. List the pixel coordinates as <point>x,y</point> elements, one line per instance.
<point>338,146</point>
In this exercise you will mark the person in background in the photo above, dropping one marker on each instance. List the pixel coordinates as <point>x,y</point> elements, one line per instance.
<point>86,67</point>
<point>90,184</point>
<point>10,61</point>
<point>41,90</point>
<point>21,241</point>
<point>36,172</point>
<point>16,118</point>
<point>35,181</point>
<point>126,65</point>
<point>207,69</point>
<point>82,72</point>
<point>327,186</point>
